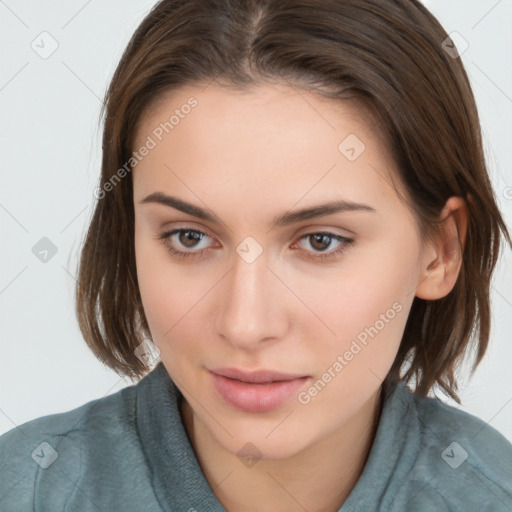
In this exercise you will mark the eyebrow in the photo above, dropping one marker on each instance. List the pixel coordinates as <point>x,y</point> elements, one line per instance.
<point>282,220</point>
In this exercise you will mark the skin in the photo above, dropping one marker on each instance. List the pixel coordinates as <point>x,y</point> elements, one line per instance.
<point>248,157</point>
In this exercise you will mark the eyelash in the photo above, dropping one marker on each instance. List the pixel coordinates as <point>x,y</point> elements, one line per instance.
<point>346,245</point>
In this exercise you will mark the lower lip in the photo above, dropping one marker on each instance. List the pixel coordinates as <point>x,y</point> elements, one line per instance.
<point>256,397</point>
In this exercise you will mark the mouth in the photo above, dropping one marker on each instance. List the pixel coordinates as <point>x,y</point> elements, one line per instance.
<point>259,391</point>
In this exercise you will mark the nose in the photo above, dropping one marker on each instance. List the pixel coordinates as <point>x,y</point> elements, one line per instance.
<point>251,309</point>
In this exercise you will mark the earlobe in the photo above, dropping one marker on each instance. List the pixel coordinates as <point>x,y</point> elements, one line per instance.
<point>443,260</point>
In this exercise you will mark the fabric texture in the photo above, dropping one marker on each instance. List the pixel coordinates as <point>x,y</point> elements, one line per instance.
<point>129,451</point>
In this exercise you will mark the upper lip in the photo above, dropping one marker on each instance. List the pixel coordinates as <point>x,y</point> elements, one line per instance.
<point>258,376</point>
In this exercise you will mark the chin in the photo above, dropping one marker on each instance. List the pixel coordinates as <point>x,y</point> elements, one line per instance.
<point>259,446</point>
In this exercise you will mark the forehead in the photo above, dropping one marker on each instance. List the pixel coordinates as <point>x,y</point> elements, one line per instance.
<point>274,138</point>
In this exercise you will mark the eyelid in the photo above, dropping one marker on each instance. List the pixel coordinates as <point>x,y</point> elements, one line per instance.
<point>304,230</point>
<point>186,226</point>
<point>309,230</point>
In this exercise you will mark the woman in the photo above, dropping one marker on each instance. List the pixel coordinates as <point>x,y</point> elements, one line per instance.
<point>294,208</point>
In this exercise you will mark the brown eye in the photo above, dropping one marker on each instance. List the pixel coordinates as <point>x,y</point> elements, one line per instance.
<point>321,241</point>
<point>183,239</point>
<point>189,238</point>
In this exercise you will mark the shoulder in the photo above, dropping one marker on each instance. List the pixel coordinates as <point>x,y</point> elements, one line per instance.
<point>51,451</point>
<point>462,461</point>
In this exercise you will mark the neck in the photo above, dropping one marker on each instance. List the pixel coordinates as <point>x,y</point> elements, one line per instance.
<point>318,478</point>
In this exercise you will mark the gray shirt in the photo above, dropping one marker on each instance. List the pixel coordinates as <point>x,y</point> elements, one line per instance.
<point>129,451</point>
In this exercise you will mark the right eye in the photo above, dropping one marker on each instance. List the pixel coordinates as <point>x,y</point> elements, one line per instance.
<point>184,238</point>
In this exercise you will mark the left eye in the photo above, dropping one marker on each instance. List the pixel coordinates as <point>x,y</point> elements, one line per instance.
<point>189,238</point>
<point>322,240</point>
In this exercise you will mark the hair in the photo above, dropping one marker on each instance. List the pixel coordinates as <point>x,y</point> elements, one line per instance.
<point>385,56</point>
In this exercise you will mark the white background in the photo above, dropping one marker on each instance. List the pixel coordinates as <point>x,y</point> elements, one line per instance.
<point>50,164</point>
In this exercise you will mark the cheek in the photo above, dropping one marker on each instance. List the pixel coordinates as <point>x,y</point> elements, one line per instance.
<point>161,291</point>
<point>171,298</point>
<point>364,302</point>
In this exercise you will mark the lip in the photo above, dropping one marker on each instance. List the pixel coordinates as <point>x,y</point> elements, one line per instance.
<point>257,391</point>
<point>259,376</point>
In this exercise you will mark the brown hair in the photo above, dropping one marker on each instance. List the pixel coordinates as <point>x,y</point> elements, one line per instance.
<point>386,55</point>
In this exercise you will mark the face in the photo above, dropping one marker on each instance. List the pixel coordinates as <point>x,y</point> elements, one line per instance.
<point>321,297</point>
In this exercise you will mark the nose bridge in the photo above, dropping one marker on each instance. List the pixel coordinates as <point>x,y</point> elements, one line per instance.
<point>246,308</point>
<point>247,285</point>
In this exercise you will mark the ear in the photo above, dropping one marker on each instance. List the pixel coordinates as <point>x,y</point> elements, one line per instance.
<point>441,261</point>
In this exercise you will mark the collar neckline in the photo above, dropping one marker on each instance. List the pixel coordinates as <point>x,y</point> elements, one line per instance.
<point>177,477</point>
<point>178,480</point>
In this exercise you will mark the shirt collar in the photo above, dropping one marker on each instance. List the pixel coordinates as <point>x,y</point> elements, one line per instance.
<point>178,480</point>
<point>180,484</point>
